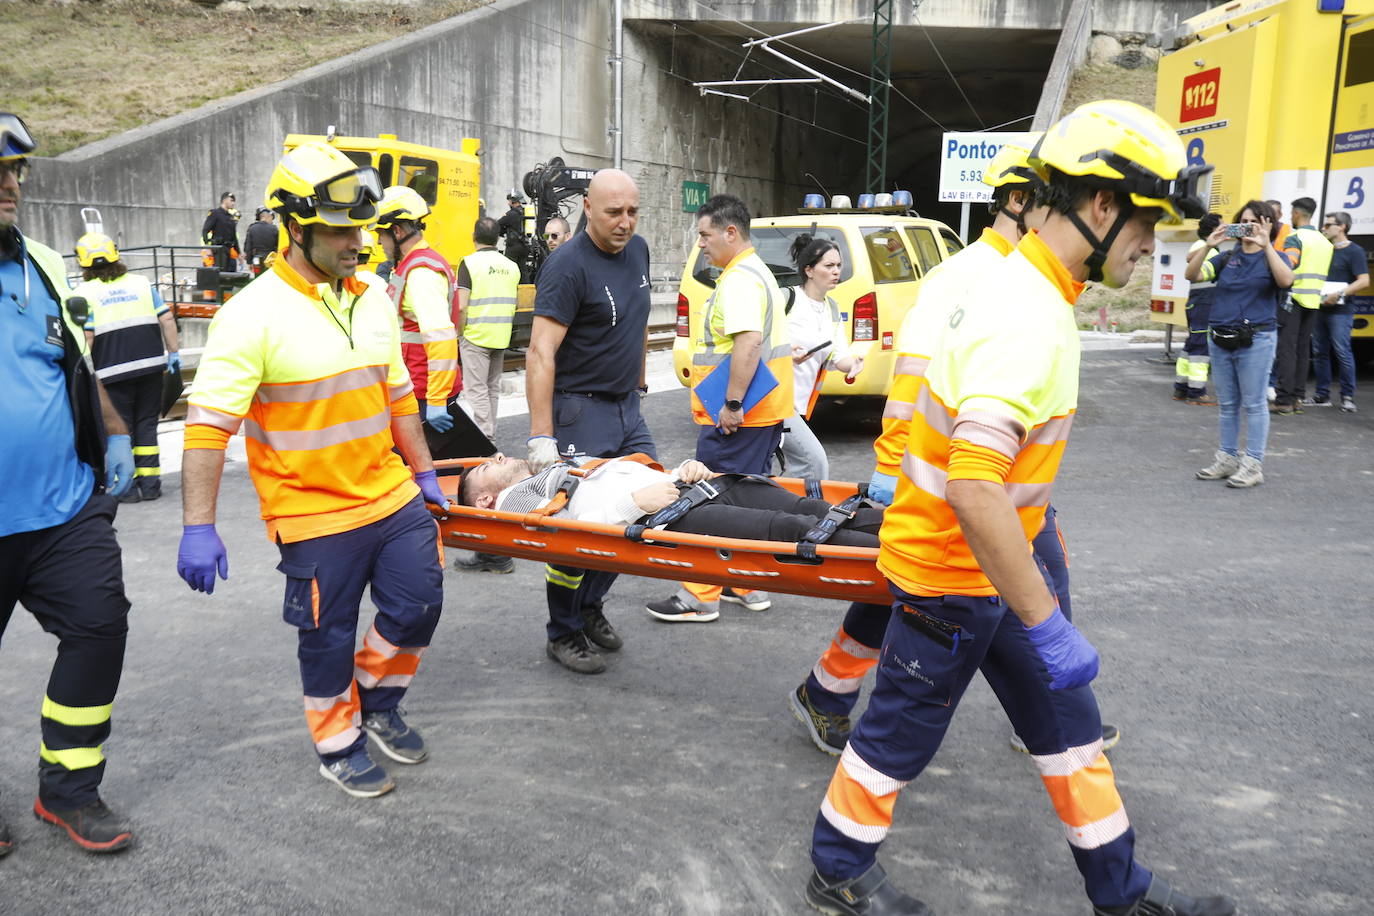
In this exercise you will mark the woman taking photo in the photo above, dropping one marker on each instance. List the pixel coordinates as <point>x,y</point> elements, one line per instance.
<point>813,327</point>
<point>1250,280</point>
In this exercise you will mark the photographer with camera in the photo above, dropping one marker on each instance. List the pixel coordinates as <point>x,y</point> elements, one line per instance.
<point>1251,279</point>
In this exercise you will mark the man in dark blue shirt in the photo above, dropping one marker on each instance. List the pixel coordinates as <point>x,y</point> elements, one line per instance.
<point>1348,275</point>
<point>584,376</point>
<point>54,519</point>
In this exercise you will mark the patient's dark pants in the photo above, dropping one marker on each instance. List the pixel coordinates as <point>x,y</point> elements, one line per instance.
<point>758,510</point>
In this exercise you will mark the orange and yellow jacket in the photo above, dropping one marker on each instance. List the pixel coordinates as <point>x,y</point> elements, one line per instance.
<point>920,332</point>
<point>999,397</point>
<point>314,380</point>
<point>422,290</point>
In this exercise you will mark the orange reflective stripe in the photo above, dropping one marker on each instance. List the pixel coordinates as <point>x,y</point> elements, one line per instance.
<point>321,389</point>
<point>1083,790</point>
<point>859,800</point>
<point>379,663</point>
<point>334,721</point>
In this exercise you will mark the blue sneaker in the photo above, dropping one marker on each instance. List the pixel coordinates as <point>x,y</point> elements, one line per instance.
<point>397,740</point>
<point>357,775</point>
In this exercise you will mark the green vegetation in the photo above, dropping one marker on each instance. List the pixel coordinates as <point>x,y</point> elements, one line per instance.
<point>80,71</point>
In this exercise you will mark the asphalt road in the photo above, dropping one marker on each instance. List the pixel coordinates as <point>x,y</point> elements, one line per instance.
<point>1234,628</point>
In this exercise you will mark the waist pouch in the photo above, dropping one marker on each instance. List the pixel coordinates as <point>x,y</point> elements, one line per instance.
<point>1233,336</point>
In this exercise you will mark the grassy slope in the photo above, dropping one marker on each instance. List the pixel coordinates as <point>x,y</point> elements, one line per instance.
<point>1129,306</point>
<point>84,71</point>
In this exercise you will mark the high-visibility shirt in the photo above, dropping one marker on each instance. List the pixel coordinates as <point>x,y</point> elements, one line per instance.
<point>919,334</point>
<point>998,400</point>
<point>123,317</point>
<point>490,318</point>
<point>1313,263</point>
<point>314,379</point>
<point>423,292</point>
<point>746,298</point>
<point>1200,290</point>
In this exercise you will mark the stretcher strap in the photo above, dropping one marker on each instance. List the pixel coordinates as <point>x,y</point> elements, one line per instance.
<point>825,529</point>
<point>814,489</point>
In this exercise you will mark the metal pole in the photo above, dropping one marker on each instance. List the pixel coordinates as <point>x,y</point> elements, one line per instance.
<point>618,79</point>
<point>963,221</point>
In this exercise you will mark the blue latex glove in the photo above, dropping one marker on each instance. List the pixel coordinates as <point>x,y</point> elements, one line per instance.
<point>200,555</point>
<point>174,363</point>
<point>119,465</point>
<point>882,487</point>
<point>429,489</point>
<point>438,418</point>
<point>1070,658</point>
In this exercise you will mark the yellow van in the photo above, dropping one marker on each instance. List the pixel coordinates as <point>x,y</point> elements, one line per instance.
<point>883,256</point>
<point>448,180</point>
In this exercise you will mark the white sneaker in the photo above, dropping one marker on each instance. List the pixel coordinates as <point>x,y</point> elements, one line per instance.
<point>1222,466</point>
<point>1249,474</point>
<point>1271,394</point>
<point>1348,405</point>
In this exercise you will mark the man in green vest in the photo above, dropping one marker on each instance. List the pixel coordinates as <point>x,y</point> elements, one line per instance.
<point>487,282</point>
<point>1295,327</point>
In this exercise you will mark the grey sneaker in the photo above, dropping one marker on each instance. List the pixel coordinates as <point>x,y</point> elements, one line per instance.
<point>357,775</point>
<point>1348,404</point>
<point>1320,400</point>
<point>1222,466</point>
<point>750,601</point>
<point>397,740</point>
<point>1249,474</point>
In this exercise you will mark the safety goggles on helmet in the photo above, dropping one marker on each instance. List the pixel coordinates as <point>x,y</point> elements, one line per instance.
<point>1182,197</point>
<point>15,139</point>
<point>347,199</point>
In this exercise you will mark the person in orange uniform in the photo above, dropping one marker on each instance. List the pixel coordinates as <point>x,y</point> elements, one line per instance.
<point>987,434</point>
<point>421,288</point>
<point>306,360</point>
<point>744,323</point>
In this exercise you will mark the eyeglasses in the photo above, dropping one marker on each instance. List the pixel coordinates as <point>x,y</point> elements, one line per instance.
<point>550,236</point>
<point>1329,225</point>
<point>19,168</point>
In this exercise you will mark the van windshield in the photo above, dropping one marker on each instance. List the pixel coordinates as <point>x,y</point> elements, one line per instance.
<point>772,244</point>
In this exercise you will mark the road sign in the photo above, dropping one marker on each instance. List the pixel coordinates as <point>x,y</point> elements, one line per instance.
<point>694,194</point>
<point>963,156</point>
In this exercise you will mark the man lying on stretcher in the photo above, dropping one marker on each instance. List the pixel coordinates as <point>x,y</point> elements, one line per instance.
<point>628,491</point>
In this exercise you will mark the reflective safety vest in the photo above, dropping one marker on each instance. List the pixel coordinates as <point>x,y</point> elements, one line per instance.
<point>429,336</point>
<point>314,379</point>
<point>745,287</point>
<point>124,319</point>
<point>490,318</point>
<point>1312,268</point>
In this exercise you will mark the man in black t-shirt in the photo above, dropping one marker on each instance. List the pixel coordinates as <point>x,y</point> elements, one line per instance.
<point>1348,274</point>
<point>261,238</point>
<point>584,375</point>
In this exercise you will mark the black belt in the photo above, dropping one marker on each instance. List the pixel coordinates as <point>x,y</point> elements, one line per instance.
<point>595,395</point>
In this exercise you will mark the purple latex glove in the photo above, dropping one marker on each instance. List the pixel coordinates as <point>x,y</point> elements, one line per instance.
<point>429,489</point>
<point>200,555</point>
<point>1070,658</point>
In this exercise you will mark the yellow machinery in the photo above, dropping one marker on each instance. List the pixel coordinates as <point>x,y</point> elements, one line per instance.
<point>1279,97</point>
<point>448,180</point>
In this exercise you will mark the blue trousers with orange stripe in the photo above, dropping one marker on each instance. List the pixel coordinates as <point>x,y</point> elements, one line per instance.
<point>922,674</point>
<point>401,559</point>
<point>833,684</point>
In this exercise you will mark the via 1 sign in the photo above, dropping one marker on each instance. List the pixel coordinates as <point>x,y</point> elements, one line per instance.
<point>694,194</point>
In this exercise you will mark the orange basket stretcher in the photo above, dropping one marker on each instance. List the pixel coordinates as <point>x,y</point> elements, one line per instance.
<point>820,571</point>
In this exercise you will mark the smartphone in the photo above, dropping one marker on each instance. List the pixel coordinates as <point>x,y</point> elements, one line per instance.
<point>817,348</point>
<point>1237,230</point>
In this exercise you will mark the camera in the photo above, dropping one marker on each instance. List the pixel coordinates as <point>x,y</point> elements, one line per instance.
<point>1237,230</point>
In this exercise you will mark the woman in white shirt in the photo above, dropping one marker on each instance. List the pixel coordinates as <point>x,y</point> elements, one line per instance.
<point>813,327</point>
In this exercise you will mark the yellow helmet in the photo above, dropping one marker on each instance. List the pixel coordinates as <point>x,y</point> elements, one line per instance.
<point>1010,166</point>
<point>400,202</point>
<point>315,183</point>
<point>96,250</point>
<point>1122,146</point>
<point>371,252</point>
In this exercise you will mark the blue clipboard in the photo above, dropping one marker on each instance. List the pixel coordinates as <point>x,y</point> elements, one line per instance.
<point>711,390</point>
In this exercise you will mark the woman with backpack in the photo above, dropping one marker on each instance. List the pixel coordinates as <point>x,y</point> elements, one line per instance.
<point>1251,280</point>
<point>813,327</point>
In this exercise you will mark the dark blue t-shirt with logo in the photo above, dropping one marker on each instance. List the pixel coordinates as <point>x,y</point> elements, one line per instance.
<point>1245,290</point>
<point>603,301</point>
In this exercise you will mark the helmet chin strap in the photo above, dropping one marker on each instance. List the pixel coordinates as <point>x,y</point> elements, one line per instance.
<point>1101,247</point>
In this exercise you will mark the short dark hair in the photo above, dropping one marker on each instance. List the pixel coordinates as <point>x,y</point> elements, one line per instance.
<point>1208,224</point>
<point>726,210</point>
<point>105,270</point>
<point>1306,205</point>
<point>807,252</point>
<point>226,195</point>
<point>1261,209</point>
<point>558,219</point>
<point>465,496</point>
<point>1341,217</point>
<point>1064,193</point>
<point>486,231</point>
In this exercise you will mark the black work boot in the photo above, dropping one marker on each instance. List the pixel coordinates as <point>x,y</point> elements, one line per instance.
<point>93,826</point>
<point>485,562</point>
<point>867,895</point>
<point>599,629</point>
<point>1163,900</point>
<point>6,842</point>
<point>149,488</point>
<point>575,653</point>
<point>829,731</point>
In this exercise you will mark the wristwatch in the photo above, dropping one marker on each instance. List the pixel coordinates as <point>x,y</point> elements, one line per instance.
<point>734,404</point>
